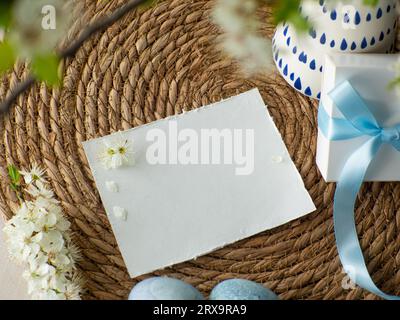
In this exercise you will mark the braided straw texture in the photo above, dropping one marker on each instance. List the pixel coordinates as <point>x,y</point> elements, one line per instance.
<point>156,63</point>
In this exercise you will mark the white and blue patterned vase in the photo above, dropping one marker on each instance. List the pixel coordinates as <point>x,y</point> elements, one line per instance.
<point>349,27</point>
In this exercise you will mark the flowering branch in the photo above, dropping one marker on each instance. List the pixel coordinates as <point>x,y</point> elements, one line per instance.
<point>70,51</point>
<point>38,235</point>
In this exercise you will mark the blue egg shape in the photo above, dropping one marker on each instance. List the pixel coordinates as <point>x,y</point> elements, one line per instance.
<point>368,17</point>
<point>280,63</point>
<point>353,46</point>
<point>164,288</point>
<point>388,8</point>
<point>294,50</point>
<point>240,289</point>
<point>321,2</point>
<point>364,43</point>
<point>333,15</point>
<point>312,65</point>
<point>388,31</point>
<point>288,41</point>
<point>324,9</point>
<point>320,69</point>
<point>332,44</point>
<point>381,36</point>
<point>379,13</point>
<point>308,91</point>
<point>292,76</point>
<point>319,95</point>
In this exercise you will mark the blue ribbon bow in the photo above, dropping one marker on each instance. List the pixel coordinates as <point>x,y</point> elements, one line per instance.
<point>358,121</point>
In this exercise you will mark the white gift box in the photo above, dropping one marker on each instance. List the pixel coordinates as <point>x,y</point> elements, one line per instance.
<point>370,75</point>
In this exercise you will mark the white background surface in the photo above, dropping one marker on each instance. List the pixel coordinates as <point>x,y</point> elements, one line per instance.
<point>12,285</point>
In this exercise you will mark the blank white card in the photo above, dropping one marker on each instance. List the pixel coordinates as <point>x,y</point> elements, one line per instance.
<point>201,180</point>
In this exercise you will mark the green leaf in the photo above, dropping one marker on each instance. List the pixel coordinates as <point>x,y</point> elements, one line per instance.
<point>14,175</point>
<point>371,2</point>
<point>5,13</point>
<point>7,56</point>
<point>288,10</point>
<point>45,68</point>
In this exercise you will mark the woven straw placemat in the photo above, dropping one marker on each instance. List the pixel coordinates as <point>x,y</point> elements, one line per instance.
<point>158,63</point>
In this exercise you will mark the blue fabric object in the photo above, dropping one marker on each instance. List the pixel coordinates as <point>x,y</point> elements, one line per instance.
<point>358,121</point>
<point>241,289</point>
<point>164,288</point>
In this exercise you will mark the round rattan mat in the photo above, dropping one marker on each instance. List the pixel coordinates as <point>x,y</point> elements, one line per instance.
<point>154,64</point>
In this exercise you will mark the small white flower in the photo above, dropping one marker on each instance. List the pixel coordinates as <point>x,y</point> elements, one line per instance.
<point>120,213</point>
<point>38,235</point>
<point>51,241</point>
<point>40,191</point>
<point>116,152</point>
<point>112,186</point>
<point>36,173</point>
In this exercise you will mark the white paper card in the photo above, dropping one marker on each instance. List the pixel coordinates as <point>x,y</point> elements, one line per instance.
<point>176,212</point>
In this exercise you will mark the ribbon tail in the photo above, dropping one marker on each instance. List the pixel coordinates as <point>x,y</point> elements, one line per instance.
<point>347,242</point>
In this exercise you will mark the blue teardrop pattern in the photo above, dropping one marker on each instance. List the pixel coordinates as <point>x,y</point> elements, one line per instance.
<point>312,65</point>
<point>379,13</point>
<point>353,46</point>
<point>303,57</point>
<point>319,95</point>
<point>292,76</point>
<point>312,33</point>
<point>364,43</point>
<point>285,31</point>
<point>308,91</point>
<point>388,31</point>
<point>388,9</point>
<point>294,50</point>
<point>285,70</point>
<point>288,41</point>
<point>323,39</point>
<point>333,15</point>
<point>357,18</point>
<point>332,44</point>
<point>343,45</point>
<point>320,69</point>
<point>368,18</point>
<point>382,36</point>
<point>372,41</point>
<point>297,84</point>
<point>280,63</point>
<point>324,9</point>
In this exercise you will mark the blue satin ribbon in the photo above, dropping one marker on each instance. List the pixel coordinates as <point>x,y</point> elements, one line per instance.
<point>358,121</point>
